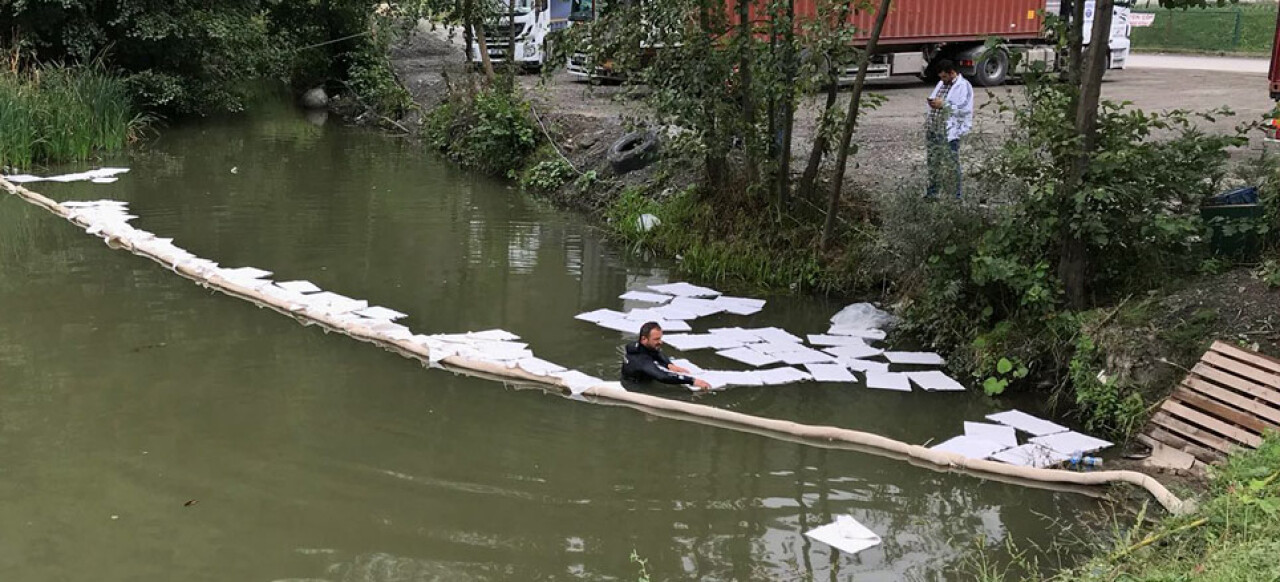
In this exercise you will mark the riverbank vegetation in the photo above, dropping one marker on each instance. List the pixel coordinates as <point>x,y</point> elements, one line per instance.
<point>59,114</point>
<point>82,74</point>
<point>1068,227</point>
<point>1233,536</point>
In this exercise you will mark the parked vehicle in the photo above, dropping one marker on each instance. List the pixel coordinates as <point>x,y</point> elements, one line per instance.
<point>535,23</point>
<point>918,33</point>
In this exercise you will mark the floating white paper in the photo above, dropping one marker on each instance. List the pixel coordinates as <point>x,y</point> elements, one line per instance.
<point>687,342</point>
<point>664,312</point>
<point>334,303</point>
<point>996,433</point>
<point>915,358</point>
<point>1071,442</point>
<point>392,331</point>
<point>684,290</point>
<point>77,177</point>
<point>497,335</point>
<point>245,273</point>
<point>778,348</point>
<point>748,356</point>
<point>740,305</point>
<point>377,312</point>
<point>1030,455</point>
<point>888,381</point>
<point>600,315</point>
<point>693,368</point>
<point>1027,423</point>
<point>836,340</point>
<point>620,324</point>
<point>783,375</point>
<point>539,366</point>
<point>773,334</point>
<point>576,381</point>
<point>870,334</point>
<point>853,351</point>
<point>846,535</point>
<point>935,381</point>
<point>645,297</point>
<point>806,356</point>
<point>700,307</point>
<point>865,365</point>
<point>742,336</point>
<point>665,324</point>
<point>719,379</point>
<point>299,286</point>
<point>830,373</point>
<point>970,446</point>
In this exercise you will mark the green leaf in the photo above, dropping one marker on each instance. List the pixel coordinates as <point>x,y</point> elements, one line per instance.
<point>1004,366</point>
<point>994,386</point>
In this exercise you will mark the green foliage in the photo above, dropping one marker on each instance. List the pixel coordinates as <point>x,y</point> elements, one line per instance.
<point>547,175</point>
<point>61,114</point>
<point>1234,536</point>
<point>1269,272</point>
<point>492,132</point>
<point>1108,406</point>
<point>1137,211</point>
<point>190,57</point>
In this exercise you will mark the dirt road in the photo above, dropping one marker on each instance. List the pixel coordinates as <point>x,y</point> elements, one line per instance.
<point>891,137</point>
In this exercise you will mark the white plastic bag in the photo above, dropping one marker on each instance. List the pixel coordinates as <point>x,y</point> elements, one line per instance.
<point>860,316</point>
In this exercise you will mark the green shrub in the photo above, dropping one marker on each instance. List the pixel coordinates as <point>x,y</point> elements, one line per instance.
<point>61,114</point>
<point>546,176</point>
<point>492,132</point>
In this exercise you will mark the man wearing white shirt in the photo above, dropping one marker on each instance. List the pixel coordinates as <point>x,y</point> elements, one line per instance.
<point>950,118</point>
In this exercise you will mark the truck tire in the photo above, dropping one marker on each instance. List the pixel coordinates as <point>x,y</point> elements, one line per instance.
<point>992,70</point>
<point>633,152</point>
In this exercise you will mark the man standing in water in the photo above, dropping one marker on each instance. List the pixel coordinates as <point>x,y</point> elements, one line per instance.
<point>644,361</point>
<point>950,118</point>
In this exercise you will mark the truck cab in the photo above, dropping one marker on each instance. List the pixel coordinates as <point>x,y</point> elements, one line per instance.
<point>535,22</point>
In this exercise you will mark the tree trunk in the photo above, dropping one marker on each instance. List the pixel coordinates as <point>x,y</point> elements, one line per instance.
<point>468,33</point>
<point>810,176</point>
<point>482,45</point>
<point>511,38</point>
<point>788,106</point>
<point>1073,265</point>
<point>851,121</point>
<point>745,91</point>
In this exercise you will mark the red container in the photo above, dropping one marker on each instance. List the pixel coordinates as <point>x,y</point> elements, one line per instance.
<point>920,22</point>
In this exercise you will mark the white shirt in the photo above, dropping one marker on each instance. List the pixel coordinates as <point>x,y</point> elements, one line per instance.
<point>959,107</point>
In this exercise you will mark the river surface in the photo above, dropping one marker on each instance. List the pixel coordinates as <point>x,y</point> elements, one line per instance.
<point>151,430</point>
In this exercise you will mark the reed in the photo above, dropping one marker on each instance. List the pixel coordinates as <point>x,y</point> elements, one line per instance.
<point>55,113</point>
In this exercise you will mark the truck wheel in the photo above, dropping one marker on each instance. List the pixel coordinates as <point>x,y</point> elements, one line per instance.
<point>992,70</point>
<point>634,151</point>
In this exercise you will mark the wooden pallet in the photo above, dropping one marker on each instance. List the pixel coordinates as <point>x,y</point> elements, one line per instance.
<point>1230,398</point>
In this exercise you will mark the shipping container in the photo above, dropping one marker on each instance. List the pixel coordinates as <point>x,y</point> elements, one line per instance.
<point>916,22</point>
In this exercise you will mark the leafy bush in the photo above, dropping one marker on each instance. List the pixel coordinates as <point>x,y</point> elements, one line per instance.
<point>492,132</point>
<point>546,176</point>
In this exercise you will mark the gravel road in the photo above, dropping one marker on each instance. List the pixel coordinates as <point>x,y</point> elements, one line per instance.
<point>892,136</point>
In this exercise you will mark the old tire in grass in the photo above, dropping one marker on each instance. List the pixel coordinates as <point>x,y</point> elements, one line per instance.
<point>634,151</point>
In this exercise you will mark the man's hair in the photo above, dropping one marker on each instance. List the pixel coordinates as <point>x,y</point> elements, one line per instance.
<point>648,328</point>
<point>945,66</point>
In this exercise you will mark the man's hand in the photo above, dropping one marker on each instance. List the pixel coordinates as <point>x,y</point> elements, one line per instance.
<point>678,369</point>
<point>701,384</point>
<point>935,103</point>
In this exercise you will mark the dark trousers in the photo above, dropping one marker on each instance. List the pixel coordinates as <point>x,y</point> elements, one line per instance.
<point>944,166</point>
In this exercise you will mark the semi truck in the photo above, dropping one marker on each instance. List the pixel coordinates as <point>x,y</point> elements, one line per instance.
<point>535,22</point>
<point>918,33</point>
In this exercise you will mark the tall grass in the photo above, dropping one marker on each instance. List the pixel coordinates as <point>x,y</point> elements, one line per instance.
<point>57,113</point>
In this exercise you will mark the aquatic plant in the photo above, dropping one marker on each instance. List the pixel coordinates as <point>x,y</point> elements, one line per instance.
<point>58,113</point>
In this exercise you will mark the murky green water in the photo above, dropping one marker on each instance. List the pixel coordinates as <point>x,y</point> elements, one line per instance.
<point>126,392</point>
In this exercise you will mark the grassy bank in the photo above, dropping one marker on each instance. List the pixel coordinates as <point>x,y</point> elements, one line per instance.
<point>1234,536</point>
<point>1244,29</point>
<point>61,114</point>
